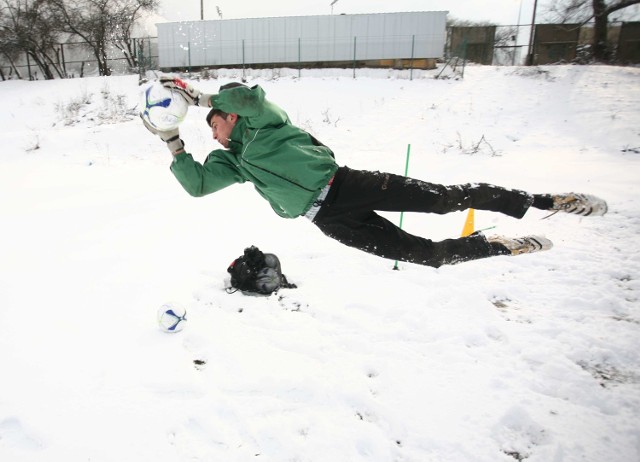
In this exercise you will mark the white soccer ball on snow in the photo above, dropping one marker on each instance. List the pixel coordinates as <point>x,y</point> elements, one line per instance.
<point>164,109</point>
<point>172,317</point>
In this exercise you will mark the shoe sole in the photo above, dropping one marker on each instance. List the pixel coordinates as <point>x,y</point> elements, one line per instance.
<point>522,245</point>
<point>532,244</point>
<point>596,207</point>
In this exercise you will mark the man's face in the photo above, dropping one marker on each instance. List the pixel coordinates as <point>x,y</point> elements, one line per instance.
<point>221,128</point>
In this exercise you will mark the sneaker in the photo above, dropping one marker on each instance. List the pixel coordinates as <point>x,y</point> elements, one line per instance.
<point>580,204</point>
<point>519,245</point>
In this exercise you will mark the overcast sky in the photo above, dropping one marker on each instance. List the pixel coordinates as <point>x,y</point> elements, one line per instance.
<point>499,12</point>
<point>502,12</point>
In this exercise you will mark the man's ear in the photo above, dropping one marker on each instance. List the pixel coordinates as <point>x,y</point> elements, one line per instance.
<point>232,118</point>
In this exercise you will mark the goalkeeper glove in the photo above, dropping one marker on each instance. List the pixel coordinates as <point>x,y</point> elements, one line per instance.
<point>171,137</point>
<point>192,95</point>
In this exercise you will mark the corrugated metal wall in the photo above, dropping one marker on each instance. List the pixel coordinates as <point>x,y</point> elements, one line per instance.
<point>302,39</point>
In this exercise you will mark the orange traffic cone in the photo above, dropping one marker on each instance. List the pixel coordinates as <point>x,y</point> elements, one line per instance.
<point>468,225</point>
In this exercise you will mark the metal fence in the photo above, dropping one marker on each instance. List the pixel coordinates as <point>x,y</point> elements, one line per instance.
<point>75,59</point>
<point>293,52</point>
<point>552,43</point>
<point>493,45</point>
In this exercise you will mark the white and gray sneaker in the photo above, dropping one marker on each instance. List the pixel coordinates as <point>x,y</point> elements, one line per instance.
<point>580,204</point>
<point>520,245</point>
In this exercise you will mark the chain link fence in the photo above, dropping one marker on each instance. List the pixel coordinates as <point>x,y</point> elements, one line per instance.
<point>490,45</point>
<point>76,59</point>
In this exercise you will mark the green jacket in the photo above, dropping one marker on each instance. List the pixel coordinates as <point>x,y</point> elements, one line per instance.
<point>287,166</point>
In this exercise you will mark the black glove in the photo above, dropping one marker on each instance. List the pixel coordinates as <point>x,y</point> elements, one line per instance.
<point>171,137</point>
<point>192,95</point>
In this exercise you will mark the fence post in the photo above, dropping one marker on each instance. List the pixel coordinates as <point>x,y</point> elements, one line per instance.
<point>189,55</point>
<point>29,66</point>
<point>299,57</point>
<point>64,65</point>
<point>354,57</point>
<point>138,45</point>
<point>530,54</point>
<point>243,74</point>
<point>464,56</point>
<point>413,44</point>
<point>149,62</point>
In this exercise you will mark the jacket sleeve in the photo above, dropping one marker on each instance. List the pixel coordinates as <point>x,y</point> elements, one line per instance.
<point>217,172</point>
<point>251,104</point>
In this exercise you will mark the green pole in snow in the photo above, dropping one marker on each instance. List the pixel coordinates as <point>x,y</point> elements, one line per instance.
<point>406,173</point>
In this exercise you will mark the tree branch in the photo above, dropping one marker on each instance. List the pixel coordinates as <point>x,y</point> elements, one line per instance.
<point>619,6</point>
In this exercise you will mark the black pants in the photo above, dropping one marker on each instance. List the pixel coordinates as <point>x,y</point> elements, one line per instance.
<point>348,215</point>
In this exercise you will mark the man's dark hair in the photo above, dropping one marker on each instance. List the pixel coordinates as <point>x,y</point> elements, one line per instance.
<point>218,112</point>
<point>215,112</point>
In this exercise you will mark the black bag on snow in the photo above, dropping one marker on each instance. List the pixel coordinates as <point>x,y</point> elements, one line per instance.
<point>257,272</point>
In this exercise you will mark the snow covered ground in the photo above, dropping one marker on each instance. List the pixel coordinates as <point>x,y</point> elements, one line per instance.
<point>530,358</point>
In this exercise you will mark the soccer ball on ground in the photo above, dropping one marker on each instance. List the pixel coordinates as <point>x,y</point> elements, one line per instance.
<point>162,108</point>
<point>171,317</point>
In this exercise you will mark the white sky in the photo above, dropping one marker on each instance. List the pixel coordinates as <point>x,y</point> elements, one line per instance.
<point>501,12</point>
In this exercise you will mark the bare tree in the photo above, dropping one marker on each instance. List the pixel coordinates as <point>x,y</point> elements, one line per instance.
<point>30,27</point>
<point>584,11</point>
<point>100,23</point>
<point>8,47</point>
<point>130,14</point>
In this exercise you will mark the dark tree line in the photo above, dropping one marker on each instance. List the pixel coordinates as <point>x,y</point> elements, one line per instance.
<point>37,28</point>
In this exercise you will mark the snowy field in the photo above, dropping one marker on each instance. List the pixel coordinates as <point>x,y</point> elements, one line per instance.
<point>532,358</point>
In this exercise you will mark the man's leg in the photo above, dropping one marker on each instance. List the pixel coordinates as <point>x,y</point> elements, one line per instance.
<point>356,191</point>
<point>347,215</point>
<point>374,234</point>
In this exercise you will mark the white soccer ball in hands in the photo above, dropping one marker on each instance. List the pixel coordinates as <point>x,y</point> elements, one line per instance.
<point>162,108</point>
<point>172,317</point>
